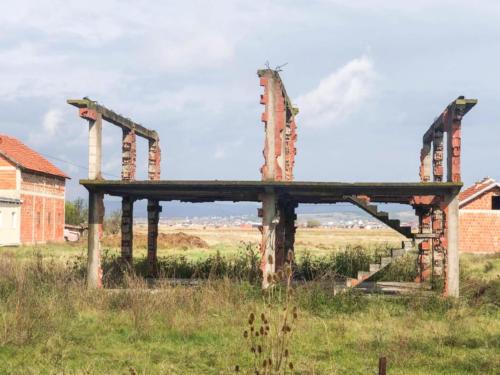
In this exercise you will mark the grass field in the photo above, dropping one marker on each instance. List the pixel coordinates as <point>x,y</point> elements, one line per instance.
<point>50,324</point>
<point>318,242</point>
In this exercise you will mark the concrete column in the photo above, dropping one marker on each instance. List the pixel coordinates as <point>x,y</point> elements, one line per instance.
<point>129,155</point>
<point>95,147</point>
<point>279,237</point>
<point>290,228</point>
<point>127,229</point>
<point>437,156</point>
<point>96,205</point>
<point>425,162</point>
<point>96,215</point>
<point>452,253</point>
<point>267,246</point>
<point>154,210</point>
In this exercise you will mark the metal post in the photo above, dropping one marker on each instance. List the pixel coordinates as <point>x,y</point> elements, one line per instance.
<point>382,366</point>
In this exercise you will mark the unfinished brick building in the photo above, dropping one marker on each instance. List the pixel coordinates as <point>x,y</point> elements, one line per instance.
<point>32,196</point>
<point>480,217</point>
<point>434,197</point>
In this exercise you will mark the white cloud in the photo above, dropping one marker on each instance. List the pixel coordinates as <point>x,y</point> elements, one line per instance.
<point>338,95</point>
<point>52,121</point>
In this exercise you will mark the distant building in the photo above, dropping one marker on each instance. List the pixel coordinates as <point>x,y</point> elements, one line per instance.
<point>480,217</point>
<point>32,196</point>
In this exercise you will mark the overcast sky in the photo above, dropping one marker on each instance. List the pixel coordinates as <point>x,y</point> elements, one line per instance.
<point>368,77</point>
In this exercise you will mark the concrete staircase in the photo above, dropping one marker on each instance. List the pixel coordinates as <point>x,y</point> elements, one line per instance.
<point>383,216</point>
<point>377,267</point>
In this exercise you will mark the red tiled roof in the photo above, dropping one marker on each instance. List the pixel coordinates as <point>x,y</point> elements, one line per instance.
<point>476,188</point>
<point>20,154</point>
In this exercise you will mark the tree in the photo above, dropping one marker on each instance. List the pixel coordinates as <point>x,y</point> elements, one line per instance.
<point>75,212</point>
<point>112,223</point>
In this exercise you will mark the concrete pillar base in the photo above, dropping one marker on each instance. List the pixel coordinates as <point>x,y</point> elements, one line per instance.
<point>96,217</point>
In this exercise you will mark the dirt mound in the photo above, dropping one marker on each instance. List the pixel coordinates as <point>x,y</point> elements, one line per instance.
<point>165,241</point>
<point>180,239</point>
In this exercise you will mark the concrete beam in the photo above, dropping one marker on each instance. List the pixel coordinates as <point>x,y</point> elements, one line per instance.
<point>88,109</point>
<point>461,106</point>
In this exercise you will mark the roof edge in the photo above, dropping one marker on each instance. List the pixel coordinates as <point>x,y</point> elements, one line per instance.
<point>478,193</point>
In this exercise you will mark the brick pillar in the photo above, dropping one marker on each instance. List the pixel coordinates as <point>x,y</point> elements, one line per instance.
<point>290,140</point>
<point>454,149</point>
<point>129,155</point>
<point>439,243</point>
<point>154,159</point>
<point>437,157</point>
<point>127,229</point>
<point>425,247</point>
<point>278,229</point>
<point>154,210</point>
<point>425,163</point>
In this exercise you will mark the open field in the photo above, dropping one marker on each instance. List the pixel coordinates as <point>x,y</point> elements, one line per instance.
<point>317,242</point>
<point>49,322</point>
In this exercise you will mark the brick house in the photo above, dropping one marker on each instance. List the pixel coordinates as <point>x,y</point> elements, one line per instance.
<point>480,217</point>
<point>32,196</point>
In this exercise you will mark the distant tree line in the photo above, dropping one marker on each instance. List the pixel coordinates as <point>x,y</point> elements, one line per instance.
<point>76,213</point>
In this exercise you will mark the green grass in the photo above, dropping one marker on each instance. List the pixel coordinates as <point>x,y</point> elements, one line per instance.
<point>49,323</point>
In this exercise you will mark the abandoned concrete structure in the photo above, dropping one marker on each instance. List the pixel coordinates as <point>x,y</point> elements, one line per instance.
<point>434,197</point>
<point>480,217</point>
<point>32,196</point>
